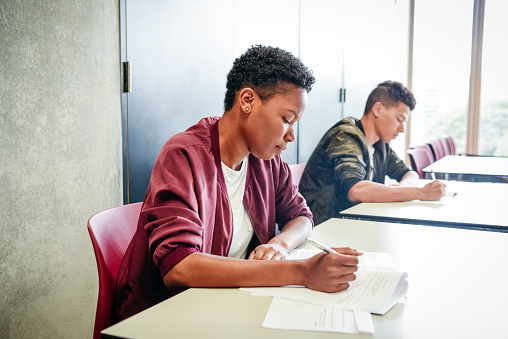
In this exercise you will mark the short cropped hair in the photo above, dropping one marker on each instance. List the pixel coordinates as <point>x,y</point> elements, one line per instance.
<point>267,70</point>
<point>390,93</point>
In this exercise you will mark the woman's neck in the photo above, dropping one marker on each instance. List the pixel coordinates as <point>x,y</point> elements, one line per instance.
<point>233,149</point>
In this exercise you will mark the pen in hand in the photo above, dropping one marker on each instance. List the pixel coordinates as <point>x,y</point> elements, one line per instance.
<point>320,246</point>
<point>433,175</point>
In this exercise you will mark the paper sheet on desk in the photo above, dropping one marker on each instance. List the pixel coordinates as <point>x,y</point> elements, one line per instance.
<point>293,315</point>
<point>449,195</point>
<point>376,289</point>
<point>373,291</point>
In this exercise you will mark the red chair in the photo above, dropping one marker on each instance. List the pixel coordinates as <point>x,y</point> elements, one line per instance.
<point>419,160</point>
<point>451,145</point>
<point>296,172</point>
<point>427,149</point>
<point>111,232</point>
<point>446,148</point>
<point>437,148</point>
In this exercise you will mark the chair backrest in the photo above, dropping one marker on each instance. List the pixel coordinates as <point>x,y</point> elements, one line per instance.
<point>451,144</point>
<point>419,160</point>
<point>427,149</point>
<point>296,172</point>
<point>446,148</point>
<point>437,148</point>
<point>111,232</point>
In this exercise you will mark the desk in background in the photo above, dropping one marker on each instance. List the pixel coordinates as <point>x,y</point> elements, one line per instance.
<point>457,289</point>
<point>470,168</point>
<point>477,205</point>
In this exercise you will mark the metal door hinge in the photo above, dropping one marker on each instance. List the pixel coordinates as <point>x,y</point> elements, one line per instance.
<point>342,95</point>
<point>127,77</point>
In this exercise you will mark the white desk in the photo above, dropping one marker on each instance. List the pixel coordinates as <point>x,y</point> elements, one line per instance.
<point>477,205</point>
<point>457,289</point>
<point>470,168</point>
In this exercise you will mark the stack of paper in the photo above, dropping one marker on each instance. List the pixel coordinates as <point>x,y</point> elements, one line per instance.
<point>377,288</point>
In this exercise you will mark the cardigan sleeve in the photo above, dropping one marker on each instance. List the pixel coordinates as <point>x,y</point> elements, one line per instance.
<point>171,210</point>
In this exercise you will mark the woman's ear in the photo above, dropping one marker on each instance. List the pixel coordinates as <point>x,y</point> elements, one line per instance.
<point>247,97</point>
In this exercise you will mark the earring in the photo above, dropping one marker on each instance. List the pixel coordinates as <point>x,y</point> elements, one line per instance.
<point>247,109</point>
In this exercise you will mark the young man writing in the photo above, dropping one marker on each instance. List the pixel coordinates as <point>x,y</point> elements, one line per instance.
<point>351,161</point>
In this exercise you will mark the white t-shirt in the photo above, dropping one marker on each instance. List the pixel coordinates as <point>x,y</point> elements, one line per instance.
<point>242,225</point>
<point>371,156</point>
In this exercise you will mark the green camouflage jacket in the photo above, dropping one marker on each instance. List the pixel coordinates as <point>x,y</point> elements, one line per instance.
<point>340,160</point>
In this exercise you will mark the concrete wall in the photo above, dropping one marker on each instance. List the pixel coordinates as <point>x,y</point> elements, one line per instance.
<point>60,159</point>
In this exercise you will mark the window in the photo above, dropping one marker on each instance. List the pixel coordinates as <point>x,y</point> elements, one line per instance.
<point>444,41</point>
<point>441,67</point>
<point>493,133</point>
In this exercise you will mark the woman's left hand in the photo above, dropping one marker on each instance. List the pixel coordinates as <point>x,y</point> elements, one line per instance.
<point>268,252</point>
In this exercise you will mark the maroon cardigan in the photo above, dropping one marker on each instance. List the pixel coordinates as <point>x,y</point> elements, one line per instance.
<point>186,209</point>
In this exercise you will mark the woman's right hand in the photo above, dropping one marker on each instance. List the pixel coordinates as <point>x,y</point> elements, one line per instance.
<point>330,272</point>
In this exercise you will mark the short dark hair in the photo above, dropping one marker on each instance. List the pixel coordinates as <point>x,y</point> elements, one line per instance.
<point>267,70</point>
<point>390,93</point>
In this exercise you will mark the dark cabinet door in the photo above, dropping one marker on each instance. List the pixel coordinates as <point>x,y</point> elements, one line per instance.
<point>180,53</point>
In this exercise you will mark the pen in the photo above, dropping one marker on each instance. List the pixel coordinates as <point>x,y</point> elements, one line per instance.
<point>433,175</point>
<point>320,246</point>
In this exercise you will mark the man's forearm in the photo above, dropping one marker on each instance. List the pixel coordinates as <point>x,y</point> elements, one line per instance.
<point>367,191</point>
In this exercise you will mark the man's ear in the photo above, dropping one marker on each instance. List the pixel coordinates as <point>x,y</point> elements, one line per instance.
<point>376,109</point>
<point>247,98</point>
